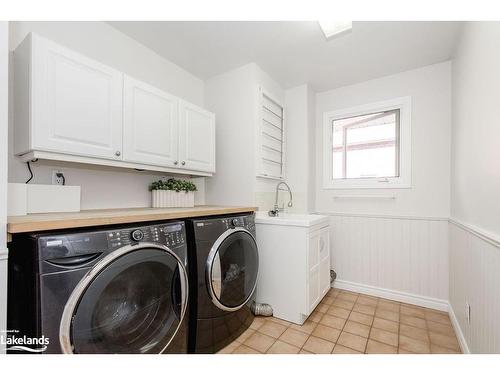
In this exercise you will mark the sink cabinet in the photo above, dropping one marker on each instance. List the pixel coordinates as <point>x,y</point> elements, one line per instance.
<point>294,265</point>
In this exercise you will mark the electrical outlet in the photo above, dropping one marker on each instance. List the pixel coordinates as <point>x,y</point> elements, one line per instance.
<point>57,178</point>
<point>467,312</point>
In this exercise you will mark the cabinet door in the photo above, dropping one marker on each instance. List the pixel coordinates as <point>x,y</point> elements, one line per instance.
<point>313,267</point>
<point>150,123</point>
<point>196,138</point>
<point>76,103</point>
<point>324,260</point>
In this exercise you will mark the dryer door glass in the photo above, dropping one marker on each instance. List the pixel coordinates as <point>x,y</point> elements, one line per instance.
<point>232,269</point>
<point>134,305</point>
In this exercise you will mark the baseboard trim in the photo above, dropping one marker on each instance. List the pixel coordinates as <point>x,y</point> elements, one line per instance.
<point>458,330</point>
<point>414,299</point>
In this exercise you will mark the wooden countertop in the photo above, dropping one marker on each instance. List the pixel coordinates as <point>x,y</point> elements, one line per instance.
<point>88,218</point>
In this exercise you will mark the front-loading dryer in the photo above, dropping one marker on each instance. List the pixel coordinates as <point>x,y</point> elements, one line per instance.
<point>224,262</point>
<point>111,290</point>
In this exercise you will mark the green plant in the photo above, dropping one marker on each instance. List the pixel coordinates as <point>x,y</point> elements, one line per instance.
<point>173,184</point>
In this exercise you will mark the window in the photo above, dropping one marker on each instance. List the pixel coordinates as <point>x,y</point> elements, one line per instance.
<point>272,142</point>
<point>368,146</point>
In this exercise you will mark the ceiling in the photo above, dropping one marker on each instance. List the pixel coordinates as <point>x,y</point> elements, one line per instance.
<point>296,52</point>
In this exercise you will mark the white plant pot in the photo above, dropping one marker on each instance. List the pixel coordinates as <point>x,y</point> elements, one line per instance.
<point>170,198</point>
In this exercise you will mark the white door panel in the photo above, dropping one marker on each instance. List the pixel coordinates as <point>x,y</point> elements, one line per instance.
<point>196,138</point>
<point>150,125</point>
<point>77,103</point>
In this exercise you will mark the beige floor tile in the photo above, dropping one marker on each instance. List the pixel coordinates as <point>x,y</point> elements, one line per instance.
<point>347,296</point>
<point>385,337</point>
<point>357,328</point>
<point>414,332</point>
<point>259,342</point>
<point>339,349</point>
<point>272,329</point>
<point>352,341</point>
<point>367,300</point>
<point>412,345</point>
<point>348,305</point>
<point>412,311</point>
<point>338,312</point>
<point>315,316</point>
<point>249,332</point>
<point>332,321</point>
<point>278,320</point>
<point>435,349</point>
<point>322,308</point>
<point>293,337</point>
<point>243,349</point>
<point>365,309</point>
<point>386,325</point>
<point>361,318</point>
<point>413,321</point>
<point>307,327</point>
<point>375,347</point>
<point>326,333</point>
<point>443,329</point>
<point>302,351</point>
<point>387,314</point>
<point>444,341</point>
<point>257,322</point>
<point>385,304</point>
<point>319,346</point>
<point>229,348</point>
<point>327,300</point>
<point>280,347</point>
<point>438,317</point>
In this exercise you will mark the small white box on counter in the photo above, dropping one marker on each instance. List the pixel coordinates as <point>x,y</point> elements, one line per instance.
<point>32,198</point>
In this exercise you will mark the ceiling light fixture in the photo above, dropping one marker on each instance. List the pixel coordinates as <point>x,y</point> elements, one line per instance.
<point>333,28</point>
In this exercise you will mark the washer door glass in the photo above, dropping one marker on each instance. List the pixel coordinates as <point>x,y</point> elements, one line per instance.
<point>132,306</point>
<point>232,269</point>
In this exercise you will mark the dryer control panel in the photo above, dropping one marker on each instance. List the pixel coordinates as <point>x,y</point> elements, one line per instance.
<point>246,222</point>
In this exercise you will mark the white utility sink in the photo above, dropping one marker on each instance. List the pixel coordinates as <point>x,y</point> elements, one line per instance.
<point>297,220</point>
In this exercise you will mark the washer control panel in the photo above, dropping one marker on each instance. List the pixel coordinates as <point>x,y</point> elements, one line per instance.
<point>246,222</point>
<point>171,234</point>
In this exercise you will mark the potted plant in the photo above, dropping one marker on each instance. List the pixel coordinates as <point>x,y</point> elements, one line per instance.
<point>172,193</point>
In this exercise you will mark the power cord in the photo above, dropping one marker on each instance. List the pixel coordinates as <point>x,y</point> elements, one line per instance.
<point>31,173</point>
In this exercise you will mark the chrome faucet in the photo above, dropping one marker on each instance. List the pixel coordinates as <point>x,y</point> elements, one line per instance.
<point>276,210</point>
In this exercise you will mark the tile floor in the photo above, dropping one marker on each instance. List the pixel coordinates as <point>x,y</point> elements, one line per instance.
<point>352,323</point>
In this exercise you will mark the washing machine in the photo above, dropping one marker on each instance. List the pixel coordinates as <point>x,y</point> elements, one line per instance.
<point>224,261</point>
<point>121,289</point>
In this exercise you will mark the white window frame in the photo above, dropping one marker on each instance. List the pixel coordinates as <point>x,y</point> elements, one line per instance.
<point>402,181</point>
<point>260,170</point>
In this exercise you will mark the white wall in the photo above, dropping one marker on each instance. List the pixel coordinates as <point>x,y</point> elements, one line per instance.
<point>396,246</point>
<point>475,186</point>
<point>299,117</point>
<point>234,98</point>
<point>4,53</point>
<point>430,89</point>
<point>105,187</point>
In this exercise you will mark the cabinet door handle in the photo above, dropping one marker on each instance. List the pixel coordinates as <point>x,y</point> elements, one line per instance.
<point>176,162</point>
<point>118,153</point>
<point>183,163</point>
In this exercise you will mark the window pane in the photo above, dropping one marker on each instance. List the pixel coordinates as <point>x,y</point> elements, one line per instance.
<point>369,144</point>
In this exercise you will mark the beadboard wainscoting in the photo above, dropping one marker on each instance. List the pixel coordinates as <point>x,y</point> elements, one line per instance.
<point>475,279</point>
<point>396,257</point>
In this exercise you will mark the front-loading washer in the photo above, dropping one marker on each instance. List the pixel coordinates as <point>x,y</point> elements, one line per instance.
<point>224,264</point>
<point>121,289</point>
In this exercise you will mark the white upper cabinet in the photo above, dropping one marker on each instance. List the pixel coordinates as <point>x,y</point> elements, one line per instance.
<point>196,138</point>
<point>150,123</point>
<point>76,102</point>
<point>68,107</point>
